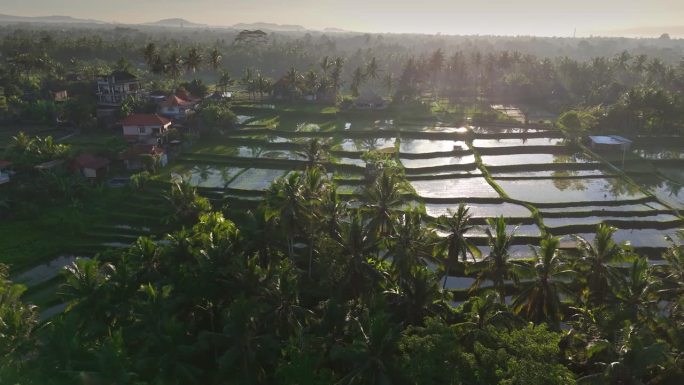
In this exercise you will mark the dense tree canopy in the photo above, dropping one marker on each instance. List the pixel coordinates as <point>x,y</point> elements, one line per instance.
<point>335,294</point>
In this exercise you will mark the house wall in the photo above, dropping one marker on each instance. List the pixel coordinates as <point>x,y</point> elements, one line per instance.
<point>115,93</point>
<point>135,130</point>
<point>173,111</point>
<point>90,173</point>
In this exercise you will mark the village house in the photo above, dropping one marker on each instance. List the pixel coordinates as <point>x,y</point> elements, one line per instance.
<point>112,89</point>
<point>147,128</point>
<point>138,156</point>
<point>174,107</point>
<point>90,166</point>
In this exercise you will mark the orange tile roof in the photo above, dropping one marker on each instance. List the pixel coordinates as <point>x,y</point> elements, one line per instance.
<point>145,120</point>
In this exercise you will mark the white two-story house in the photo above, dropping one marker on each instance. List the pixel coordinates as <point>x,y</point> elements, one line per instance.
<point>112,89</point>
<point>145,128</point>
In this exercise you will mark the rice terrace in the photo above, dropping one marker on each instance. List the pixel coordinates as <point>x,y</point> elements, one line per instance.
<point>222,202</point>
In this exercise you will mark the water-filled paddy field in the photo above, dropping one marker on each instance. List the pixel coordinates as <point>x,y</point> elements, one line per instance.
<point>561,190</point>
<point>531,176</point>
<point>517,142</point>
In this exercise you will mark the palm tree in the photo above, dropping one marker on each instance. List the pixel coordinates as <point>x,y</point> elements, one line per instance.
<point>496,266</point>
<point>368,355</point>
<point>389,81</point>
<point>18,321</point>
<point>315,152</point>
<point>314,186</point>
<point>83,278</point>
<point>357,79</point>
<point>194,60</point>
<point>293,78</point>
<point>249,82</point>
<point>357,243</point>
<point>225,81</point>
<point>672,284</point>
<point>455,244</point>
<point>214,59</point>
<point>597,261</point>
<point>325,65</point>
<point>149,53</point>
<point>636,293</point>
<point>311,82</point>
<point>539,298</point>
<point>174,65</point>
<point>186,203</point>
<point>157,65</point>
<point>336,74</point>
<point>333,210</point>
<point>383,199</point>
<point>285,201</point>
<point>263,85</point>
<point>409,245</point>
<point>372,69</point>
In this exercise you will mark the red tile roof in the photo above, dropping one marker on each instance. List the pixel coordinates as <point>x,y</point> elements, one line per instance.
<point>185,95</point>
<point>175,101</point>
<point>145,120</point>
<point>90,161</point>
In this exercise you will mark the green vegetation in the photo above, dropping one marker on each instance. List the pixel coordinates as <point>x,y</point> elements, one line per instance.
<point>304,288</point>
<point>335,274</point>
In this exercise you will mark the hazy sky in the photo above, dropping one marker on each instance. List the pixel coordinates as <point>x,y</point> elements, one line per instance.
<point>509,17</point>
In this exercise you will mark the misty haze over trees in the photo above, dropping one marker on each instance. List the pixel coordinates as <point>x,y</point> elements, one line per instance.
<point>334,273</point>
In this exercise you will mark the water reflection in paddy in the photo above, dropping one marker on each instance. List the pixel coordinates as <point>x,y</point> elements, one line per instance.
<point>438,161</point>
<point>636,238</point>
<point>507,130</point>
<point>570,190</point>
<point>210,176</point>
<point>665,190</point>
<point>480,210</point>
<point>548,174</point>
<point>256,179</point>
<point>670,193</point>
<point>523,159</point>
<point>424,146</point>
<point>514,142</point>
<point>650,206</point>
<point>595,220</point>
<point>352,161</point>
<point>454,188</point>
<point>366,144</point>
<point>675,174</point>
<point>531,230</point>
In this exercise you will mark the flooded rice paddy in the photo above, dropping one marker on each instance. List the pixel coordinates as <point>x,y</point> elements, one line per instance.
<point>472,187</point>
<point>559,190</point>
<point>517,142</point>
<point>535,170</point>
<point>526,159</point>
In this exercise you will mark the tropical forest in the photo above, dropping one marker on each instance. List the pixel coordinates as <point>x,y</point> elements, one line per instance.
<point>232,203</point>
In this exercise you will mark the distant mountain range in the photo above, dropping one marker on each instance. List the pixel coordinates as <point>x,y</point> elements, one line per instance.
<point>177,22</point>
<point>172,22</point>
<point>47,19</point>
<point>270,27</point>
